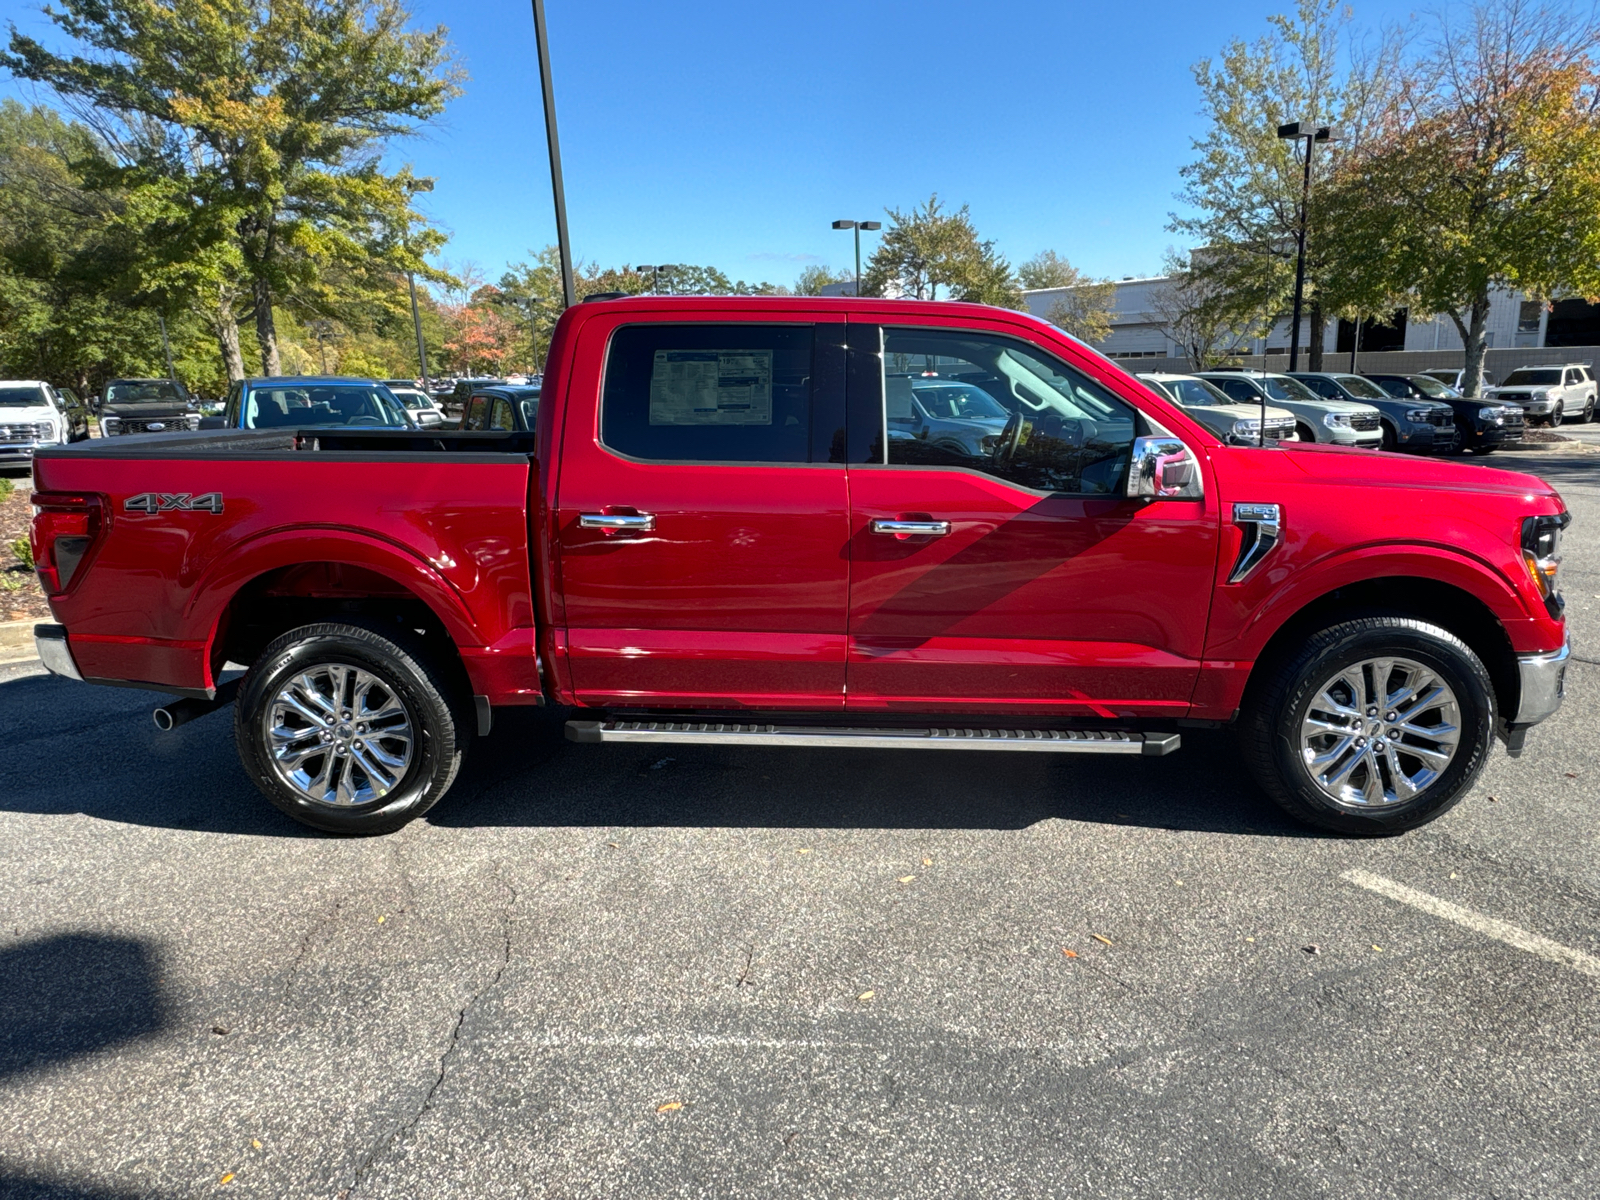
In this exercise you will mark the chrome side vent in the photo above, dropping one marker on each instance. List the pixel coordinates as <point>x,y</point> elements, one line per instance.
<point>1262,527</point>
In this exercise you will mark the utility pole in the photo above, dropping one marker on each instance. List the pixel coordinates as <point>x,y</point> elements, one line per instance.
<point>166,346</point>
<point>416,324</point>
<point>569,288</point>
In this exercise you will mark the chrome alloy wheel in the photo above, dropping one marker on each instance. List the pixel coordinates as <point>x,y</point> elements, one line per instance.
<point>1380,732</point>
<point>339,735</point>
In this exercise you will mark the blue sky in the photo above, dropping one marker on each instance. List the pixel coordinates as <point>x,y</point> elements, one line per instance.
<point>732,134</point>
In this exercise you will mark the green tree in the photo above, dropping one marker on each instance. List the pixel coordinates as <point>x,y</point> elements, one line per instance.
<point>1484,172</point>
<point>1245,186</point>
<point>929,248</point>
<point>1193,313</point>
<point>1085,309</point>
<point>273,118</point>
<point>814,278</point>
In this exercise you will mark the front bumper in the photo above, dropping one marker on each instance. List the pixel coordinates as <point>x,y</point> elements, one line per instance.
<point>1543,679</point>
<point>54,652</point>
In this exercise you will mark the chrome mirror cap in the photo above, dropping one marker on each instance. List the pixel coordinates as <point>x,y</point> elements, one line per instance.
<point>1164,468</point>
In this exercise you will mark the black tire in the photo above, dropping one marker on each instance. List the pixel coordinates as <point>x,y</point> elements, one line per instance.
<point>1588,412</point>
<point>1391,440</point>
<point>1484,449</point>
<point>1556,416</point>
<point>1305,433</point>
<point>400,664</point>
<point>1271,725</point>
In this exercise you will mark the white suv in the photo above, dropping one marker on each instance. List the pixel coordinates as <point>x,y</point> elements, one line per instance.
<point>1550,393</point>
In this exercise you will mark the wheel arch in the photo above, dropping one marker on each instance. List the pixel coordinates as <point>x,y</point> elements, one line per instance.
<point>1447,605</point>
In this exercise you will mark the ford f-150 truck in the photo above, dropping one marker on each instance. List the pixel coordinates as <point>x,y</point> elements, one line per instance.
<point>714,535</point>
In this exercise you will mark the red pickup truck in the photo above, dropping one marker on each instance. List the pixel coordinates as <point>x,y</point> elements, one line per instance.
<point>824,523</point>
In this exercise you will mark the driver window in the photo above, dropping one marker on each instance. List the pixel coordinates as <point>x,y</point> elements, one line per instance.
<point>989,403</point>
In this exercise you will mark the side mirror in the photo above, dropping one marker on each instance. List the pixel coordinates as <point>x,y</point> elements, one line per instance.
<point>213,423</point>
<point>1163,468</point>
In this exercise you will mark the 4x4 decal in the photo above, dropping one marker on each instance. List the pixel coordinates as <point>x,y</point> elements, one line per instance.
<point>159,502</point>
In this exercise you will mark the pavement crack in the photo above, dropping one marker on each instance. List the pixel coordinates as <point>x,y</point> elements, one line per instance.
<point>744,975</point>
<point>304,948</point>
<point>443,1068</point>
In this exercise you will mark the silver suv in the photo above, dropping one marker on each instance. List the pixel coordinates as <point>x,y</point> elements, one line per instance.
<point>1550,393</point>
<point>1332,422</point>
<point>1235,423</point>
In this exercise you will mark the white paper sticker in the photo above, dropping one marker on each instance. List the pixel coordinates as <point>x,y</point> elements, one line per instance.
<point>711,387</point>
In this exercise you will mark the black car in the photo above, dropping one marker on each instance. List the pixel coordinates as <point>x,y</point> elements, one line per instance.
<point>464,388</point>
<point>1484,425</point>
<point>507,406</point>
<point>146,406</point>
<point>1414,426</point>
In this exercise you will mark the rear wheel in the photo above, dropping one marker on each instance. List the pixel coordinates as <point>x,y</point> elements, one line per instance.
<point>1378,725</point>
<point>1588,412</point>
<point>349,728</point>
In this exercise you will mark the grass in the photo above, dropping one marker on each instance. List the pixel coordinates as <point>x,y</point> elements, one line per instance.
<point>6,488</point>
<point>23,551</point>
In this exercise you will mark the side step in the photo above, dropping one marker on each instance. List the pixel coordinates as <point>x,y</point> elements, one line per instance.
<point>720,733</point>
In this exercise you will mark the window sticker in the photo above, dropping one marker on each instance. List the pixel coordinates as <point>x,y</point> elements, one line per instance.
<point>711,387</point>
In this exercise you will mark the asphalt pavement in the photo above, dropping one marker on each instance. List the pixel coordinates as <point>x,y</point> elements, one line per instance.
<point>600,971</point>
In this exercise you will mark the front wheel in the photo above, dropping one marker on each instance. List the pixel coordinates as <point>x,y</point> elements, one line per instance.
<point>1555,417</point>
<point>1305,433</point>
<point>1378,725</point>
<point>1391,440</point>
<point>348,728</point>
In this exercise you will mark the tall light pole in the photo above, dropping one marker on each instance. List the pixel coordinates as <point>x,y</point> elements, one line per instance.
<point>858,226</point>
<point>166,346</point>
<point>416,324</point>
<point>1312,134</point>
<point>655,274</point>
<point>569,289</point>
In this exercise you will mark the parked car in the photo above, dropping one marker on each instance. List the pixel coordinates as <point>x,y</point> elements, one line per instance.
<point>1317,419</point>
<point>462,392</point>
<point>502,409</point>
<point>710,540</point>
<point>943,420</point>
<point>1455,377</point>
<point>392,384</point>
<point>1235,422</point>
<point>423,408</point>
<point>146,406</point>
<point>1550,393</point>
<point>1481,427</point>
<point>33,414</point>
<point>303,401</point>
<point>1415,426</point>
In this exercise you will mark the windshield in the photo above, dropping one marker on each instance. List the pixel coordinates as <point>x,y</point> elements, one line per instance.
<point>329,404</point>
<point>1429,386</point>
<point>1364,388</point>
<point>1528,375</point>
<point>1281,387</point>
<point>958,401</point>
<point>18,397</point>
<point>159,391</point>
<point>1197,391</point>
<point>411,398</point>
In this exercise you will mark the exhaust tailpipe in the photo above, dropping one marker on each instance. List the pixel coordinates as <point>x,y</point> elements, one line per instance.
<point>181,712</point>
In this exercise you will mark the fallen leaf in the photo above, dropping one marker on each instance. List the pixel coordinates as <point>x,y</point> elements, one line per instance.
<point>614,845</point>
<point>219,1030</point>
<point>1249,939</point>
<point>228,1178</point>
<point>927,862</point>
<point>1070,953</point>
<point>1572,774</point>
<point>1494,799</point>
<point>381,920</point>
<point>1177,882</point>
<point>255,1143</point>
<point>1379,949</point>
<point>669,1106</point>
<point>802,851</point>
<point>1312,949</point>
<point>1106,940</point>
<point>1453,875</point>
<point>907,878</point>
<point>866,995</point>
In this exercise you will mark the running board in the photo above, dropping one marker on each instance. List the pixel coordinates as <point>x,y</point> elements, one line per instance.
<point>719,733</point>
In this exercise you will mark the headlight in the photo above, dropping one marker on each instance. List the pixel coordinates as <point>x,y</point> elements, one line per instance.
<point>1418,416</point>
<point>1243,428</point>
<point>1490,411</point>
<point>1336,420</point>
<point>1541,394</point>
<point>1541,552</point>
<point>194,420</point>
<point>987,444</point>
<point>110,425</point>
<point>46,431</point>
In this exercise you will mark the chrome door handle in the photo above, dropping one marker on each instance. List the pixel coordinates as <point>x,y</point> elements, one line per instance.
<point>645,521</point>
<point>920,528</point>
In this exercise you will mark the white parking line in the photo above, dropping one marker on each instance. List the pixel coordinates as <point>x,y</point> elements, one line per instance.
<point>1502,931</point>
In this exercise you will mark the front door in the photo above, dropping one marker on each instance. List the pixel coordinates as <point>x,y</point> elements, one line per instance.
<point>702,528</point>
<point>1004,568</point>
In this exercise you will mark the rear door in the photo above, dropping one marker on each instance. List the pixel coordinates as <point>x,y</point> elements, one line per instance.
<point>702,512</point>
<point>1017,576</point>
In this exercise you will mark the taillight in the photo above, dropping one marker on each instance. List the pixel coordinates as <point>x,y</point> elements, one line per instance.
<point>65,526</point>
<point>1541,553</point>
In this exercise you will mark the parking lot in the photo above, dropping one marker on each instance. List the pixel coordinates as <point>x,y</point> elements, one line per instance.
<point>602,971</point>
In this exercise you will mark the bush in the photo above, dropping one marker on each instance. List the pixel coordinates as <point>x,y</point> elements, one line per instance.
<point>6,488</point>
<point>23,551</point>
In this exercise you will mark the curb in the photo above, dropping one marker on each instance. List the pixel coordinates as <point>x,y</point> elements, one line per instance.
<point>16,641</point>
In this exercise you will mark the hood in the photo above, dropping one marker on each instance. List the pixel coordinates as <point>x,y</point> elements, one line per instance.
<point>152,410</point>
<point>1242,411</point>
<point>31,415</point>
<point>1374,468</point>
<point>1338,406</point>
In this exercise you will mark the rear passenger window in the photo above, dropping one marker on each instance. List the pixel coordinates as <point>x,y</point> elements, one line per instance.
<point>475,411</point>
<point>500,415</point>
<point>709,393</point>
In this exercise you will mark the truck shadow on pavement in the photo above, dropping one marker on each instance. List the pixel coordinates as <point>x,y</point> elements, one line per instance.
<point>94,750</point>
